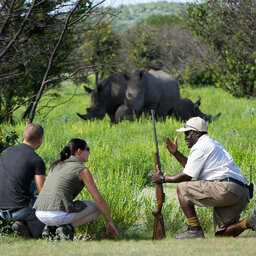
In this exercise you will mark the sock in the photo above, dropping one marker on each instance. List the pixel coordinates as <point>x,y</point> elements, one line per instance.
<point>193,222</point>
<point>243,224</point>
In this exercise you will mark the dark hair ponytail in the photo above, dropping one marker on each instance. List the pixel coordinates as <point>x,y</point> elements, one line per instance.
<point>69,150</point>
<point>65,153</point>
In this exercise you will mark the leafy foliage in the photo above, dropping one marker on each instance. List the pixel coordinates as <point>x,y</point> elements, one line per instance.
<point>7,141</point>
<point>37,41</point>
<point>164,42</point>
<point>229,28</point>
<point>99,50</point>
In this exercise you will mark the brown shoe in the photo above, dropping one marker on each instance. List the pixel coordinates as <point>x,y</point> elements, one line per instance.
<point>21,229</point>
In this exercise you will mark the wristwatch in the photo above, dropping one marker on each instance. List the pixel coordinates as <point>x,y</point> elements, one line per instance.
<point>162,178</point>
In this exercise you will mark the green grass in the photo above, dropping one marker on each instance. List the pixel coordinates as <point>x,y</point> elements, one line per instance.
<point>122,162</point>
<point>169,246</point>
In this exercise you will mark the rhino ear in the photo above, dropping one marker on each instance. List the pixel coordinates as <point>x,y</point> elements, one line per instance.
<point>198,102</point>
<point>141,73</point>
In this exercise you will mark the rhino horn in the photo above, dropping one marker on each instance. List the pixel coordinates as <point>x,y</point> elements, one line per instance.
<point>82,116</point>
<point>87,89</point>
<point>198,102</point>
<point>217,116</point>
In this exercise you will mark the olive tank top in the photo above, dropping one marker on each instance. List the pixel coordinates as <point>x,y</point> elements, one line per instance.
<point>61,186</point>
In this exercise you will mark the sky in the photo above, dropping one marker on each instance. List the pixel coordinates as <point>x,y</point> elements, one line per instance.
<point>115,3</point>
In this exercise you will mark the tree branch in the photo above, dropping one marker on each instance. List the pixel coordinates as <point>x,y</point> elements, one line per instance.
<point>19,31</point>
<point>39,95</point>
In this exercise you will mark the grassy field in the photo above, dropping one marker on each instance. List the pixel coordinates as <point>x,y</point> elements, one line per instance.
<point>122,162</point>
<point>169,246</point>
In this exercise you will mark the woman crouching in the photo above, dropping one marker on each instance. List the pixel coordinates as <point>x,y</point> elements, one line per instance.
<point>67,177</point>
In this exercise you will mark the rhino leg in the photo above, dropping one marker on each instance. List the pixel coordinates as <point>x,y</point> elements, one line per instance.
<point>123,113</point>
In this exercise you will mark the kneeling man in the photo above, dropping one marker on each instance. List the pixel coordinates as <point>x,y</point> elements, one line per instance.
<point>219,183</point>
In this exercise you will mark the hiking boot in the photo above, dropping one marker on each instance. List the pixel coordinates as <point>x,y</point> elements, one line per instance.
<point>191,232</point>
<point>49,232</point>
<point>251,221</point>
<point>65,232</point>
<point>21,229</point>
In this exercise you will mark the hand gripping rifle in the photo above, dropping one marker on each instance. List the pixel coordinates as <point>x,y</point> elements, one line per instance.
<point>159,231</point>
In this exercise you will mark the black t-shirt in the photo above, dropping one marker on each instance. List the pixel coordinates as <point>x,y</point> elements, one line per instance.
<point>18,166</point>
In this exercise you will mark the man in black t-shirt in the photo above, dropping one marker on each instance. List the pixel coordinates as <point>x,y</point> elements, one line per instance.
<point>20,167</point>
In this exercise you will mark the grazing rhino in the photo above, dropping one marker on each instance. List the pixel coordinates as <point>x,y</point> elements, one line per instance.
<point>148,90</point>
<point>106,98</point>
<point>186,109</point>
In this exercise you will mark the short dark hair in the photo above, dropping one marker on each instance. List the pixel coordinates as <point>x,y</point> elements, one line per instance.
<point>33,132</point>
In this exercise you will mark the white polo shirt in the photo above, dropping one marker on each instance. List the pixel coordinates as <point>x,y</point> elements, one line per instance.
<point>209,160</point>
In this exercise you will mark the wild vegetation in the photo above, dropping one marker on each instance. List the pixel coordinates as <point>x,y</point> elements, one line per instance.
<point>44,42</point>
<point>122,155</point>
<point>212,65</point>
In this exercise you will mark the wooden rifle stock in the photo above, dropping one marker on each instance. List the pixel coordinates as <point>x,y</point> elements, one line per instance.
<point>158,231</point>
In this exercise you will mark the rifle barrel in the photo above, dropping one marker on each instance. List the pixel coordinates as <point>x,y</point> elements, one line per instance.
<point>154,125</point>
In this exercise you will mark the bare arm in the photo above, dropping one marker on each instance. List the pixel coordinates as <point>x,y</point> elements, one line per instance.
<point>86,177</point>
<point>39,181</point>
<point>175,178</point>
<point>173,149</point>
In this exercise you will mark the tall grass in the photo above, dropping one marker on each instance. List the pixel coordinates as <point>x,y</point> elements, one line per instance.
<point>122,156</point>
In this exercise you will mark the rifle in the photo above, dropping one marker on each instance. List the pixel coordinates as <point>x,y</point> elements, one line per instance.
<point>159,231</point>
<point>251,185</point>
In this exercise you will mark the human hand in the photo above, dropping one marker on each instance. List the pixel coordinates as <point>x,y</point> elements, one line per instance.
<point>111,227</point>
<point>171,146</point>
<point>156,176</point>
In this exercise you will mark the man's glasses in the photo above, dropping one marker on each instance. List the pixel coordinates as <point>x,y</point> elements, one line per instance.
<point>87,149</point>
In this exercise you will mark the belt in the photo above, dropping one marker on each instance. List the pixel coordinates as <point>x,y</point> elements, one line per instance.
<point>240,183</point>
<point>10,211</point>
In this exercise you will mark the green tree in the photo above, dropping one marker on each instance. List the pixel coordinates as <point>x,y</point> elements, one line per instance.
<point>100,50</point>
<point>143,47</point>
<point>37,39</point>
<point>229,27</point>
<point>164,42</point>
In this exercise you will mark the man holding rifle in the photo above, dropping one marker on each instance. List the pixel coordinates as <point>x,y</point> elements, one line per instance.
<point>219,183</point>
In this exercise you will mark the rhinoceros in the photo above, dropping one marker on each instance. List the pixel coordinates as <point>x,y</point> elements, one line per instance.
<point>106,98</point>
<point>186,109</point>
<point>148,90</point>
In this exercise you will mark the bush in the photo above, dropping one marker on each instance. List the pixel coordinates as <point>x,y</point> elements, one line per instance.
<point>7,141</point>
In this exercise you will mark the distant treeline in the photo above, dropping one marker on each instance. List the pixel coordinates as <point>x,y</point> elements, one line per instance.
<point>132,14</point>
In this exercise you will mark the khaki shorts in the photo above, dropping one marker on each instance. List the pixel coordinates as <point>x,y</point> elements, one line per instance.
<point>228,199</point>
